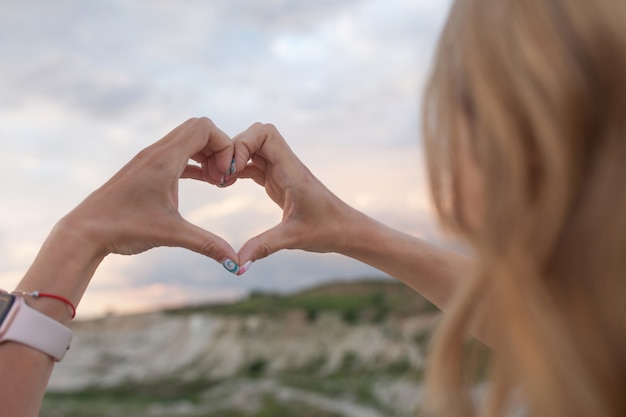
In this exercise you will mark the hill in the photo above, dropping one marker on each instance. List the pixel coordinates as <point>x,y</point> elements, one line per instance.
<point>360,300</point>
<point>342,349</point>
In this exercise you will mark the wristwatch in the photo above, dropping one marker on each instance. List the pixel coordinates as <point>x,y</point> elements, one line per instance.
<point>23,324</point>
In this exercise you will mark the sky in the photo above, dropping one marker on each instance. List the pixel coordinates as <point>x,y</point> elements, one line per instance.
<point>85,85</point>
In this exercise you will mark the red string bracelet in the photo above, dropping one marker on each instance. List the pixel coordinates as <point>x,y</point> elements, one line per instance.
<point>37,294</point>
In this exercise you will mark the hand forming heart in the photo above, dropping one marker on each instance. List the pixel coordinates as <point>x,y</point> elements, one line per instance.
<point>137,209</point>
<point>314,219</point>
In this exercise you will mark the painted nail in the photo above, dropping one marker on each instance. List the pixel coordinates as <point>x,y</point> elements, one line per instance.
<point>244,268</point>
<point>232,169</point>
<point>231,266</point>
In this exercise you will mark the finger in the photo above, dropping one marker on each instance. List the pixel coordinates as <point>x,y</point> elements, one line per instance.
<point>205,137</point>
<point>197,239</point>
<point>264,140</point>
<point>193,171</point>
<point>211,170</point>
<point>263,245</point>
<point>254,173</point>
<point>254,170</point>
<point>259,162</point>
<point>199,173</point>
<point>201,140</point>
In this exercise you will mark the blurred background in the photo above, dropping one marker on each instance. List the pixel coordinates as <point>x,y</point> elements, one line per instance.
<point>85,85</point>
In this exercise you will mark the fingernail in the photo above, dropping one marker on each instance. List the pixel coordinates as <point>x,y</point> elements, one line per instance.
<point>231,266</point>
<point>222,182</point>
<point>232,169</point>
<point>245,267</point>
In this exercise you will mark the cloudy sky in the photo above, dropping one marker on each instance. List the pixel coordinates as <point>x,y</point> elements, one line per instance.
<point>85,85</point>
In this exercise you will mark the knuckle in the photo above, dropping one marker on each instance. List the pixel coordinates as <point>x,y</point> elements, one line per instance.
<point>208,248</point>
<point>205,122</point>
<point>257,126</point>
<point>270,129</point>
<point>265,249</point>
<point>148,156</point>
<point>269,126</point>
<point>190,122</point>
<point>266,128</point>
<point>153,157</point>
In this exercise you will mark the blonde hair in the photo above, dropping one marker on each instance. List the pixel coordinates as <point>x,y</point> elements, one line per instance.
<point>533,93</point>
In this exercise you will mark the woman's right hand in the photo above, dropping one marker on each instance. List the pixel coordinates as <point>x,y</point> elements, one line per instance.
<point>314,219</point>
<point>137,209</point>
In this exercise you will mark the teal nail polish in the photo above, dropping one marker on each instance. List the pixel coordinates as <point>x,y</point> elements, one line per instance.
<point>231,266</point>
<point>232,169</point>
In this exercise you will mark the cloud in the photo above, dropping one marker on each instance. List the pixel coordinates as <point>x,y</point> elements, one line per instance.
<point>86,85</point>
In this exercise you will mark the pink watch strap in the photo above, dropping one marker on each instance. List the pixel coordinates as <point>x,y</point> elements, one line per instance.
<point>35,329</point>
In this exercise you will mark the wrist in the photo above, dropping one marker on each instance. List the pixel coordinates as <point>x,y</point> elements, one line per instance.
<point>350,228</point>
<point>21,323</point>
<point>64,266</point>
<point>80,231</point>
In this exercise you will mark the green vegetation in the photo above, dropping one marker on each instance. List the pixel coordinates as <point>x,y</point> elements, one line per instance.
<point>256,367</point>
<point>255,390</point>
<point>356,385</point>
<point>422,340</point>
<point>272,407</point>
<point>361,301</point>
<point>166,390</point>
<point>202,398</point>
<point>315,365</point>
<point>210,398</point>
<point>267,406</point>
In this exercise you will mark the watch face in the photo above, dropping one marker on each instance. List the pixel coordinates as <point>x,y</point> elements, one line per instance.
<point>6,301</point>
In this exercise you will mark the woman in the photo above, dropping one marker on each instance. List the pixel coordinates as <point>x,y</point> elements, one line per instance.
<point>526,138</point>
<point>525,133</point>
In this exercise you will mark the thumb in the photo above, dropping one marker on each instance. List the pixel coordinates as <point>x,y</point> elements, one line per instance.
<point>199,240</point>
<point>262,246</point>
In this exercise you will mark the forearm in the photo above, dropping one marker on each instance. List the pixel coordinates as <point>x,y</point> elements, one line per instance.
<point>434,272</point>
<point>136,210</point>
<point>64,266</point>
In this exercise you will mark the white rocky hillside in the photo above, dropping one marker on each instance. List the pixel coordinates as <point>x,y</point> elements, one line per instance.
<point>198,345</point>
<point>369,324</point>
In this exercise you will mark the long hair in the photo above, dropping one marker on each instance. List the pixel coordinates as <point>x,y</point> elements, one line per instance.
<point>533,94</point>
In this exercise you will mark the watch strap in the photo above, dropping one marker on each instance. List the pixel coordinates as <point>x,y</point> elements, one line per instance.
<point>35,329</point>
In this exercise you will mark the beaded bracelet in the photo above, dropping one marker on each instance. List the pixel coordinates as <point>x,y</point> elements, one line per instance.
<point>37,294</point>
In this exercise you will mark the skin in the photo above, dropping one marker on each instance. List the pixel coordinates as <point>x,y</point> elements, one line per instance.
<point>134,211</point>
<point>316,220</point>
<point>137,210</point>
